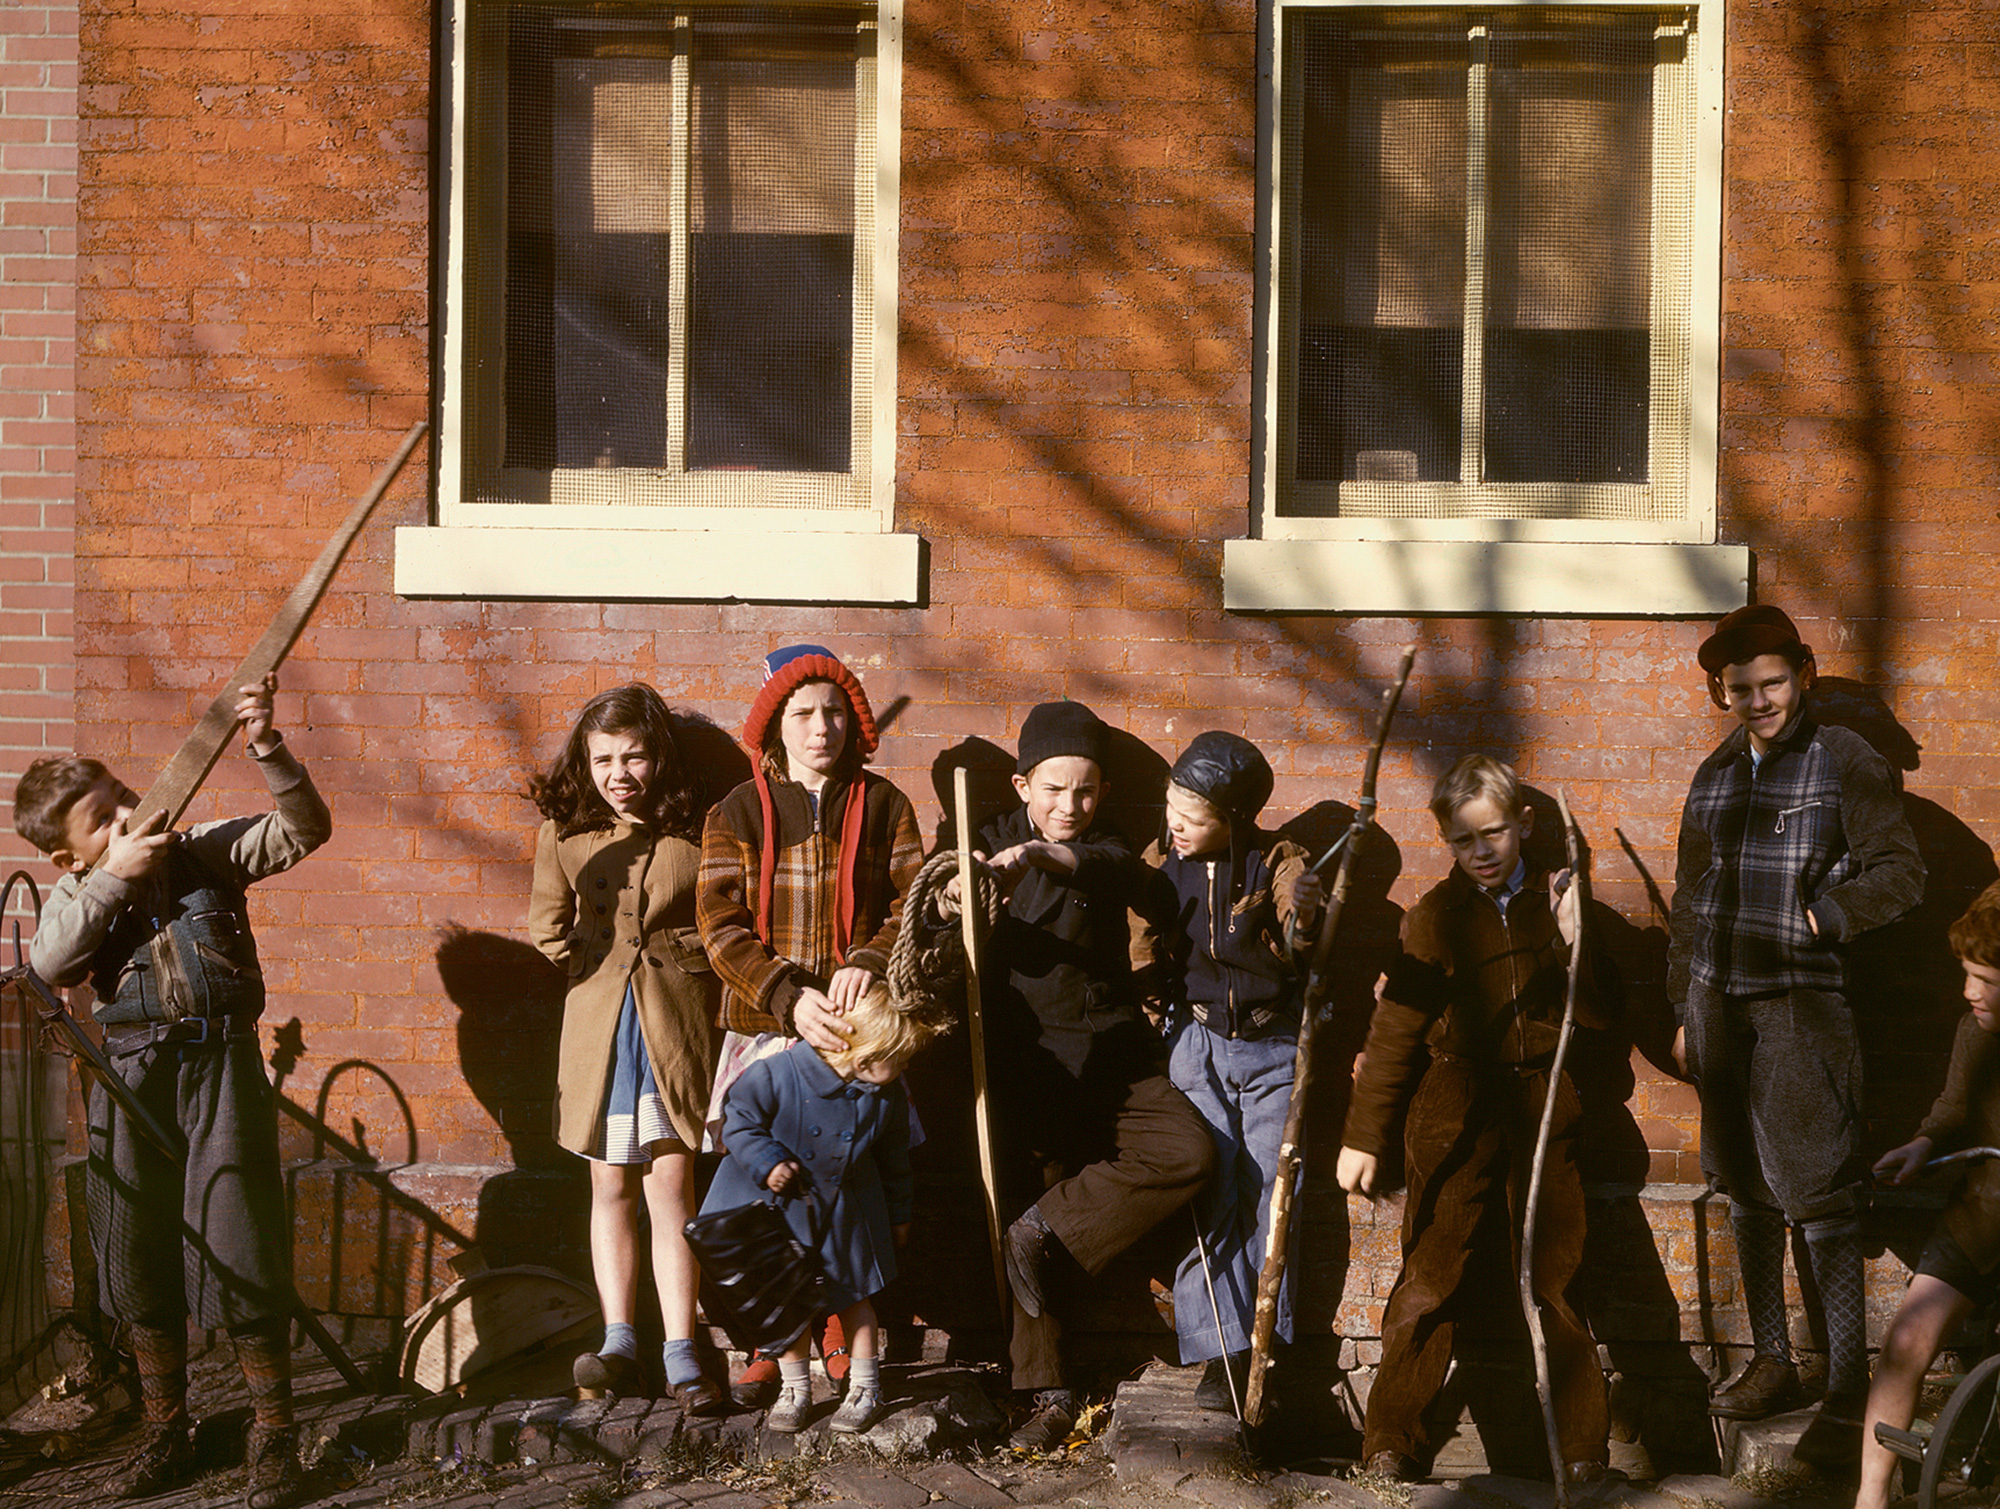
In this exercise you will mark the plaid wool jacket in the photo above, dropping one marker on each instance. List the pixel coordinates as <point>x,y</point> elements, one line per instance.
<point>762,978</point>
<point>1817,826</point>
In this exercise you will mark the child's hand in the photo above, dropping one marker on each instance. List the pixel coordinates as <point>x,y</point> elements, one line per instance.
<point>1356,1171</point>
<point>1308,895</point>
<point>253,712</point>
<point>1012,865</point>
<point>850,984</point>
<point>817,1018</point>
<point>1680,1051</point>
<point>1902,1164</point>
<point>1567,902</point>
<point>900,1235</point>
<point>780,1178</point>
<point>133,856</point>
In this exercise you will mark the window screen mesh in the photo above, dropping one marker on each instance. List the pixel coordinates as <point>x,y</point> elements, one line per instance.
<point>685,246</point>
<point>1481,209</point>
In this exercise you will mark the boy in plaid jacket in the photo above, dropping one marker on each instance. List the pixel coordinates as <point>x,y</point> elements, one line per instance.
<point>1792,842</point>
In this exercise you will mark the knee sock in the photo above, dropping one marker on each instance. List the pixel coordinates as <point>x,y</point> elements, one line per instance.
<point>161,1355</point>
<point>681,1361</point>
<point>864,1373</point>
<point>1835,1248</point>
<point>620,1340</point>
<point>264,1352</point>
<point>1760,1254</point>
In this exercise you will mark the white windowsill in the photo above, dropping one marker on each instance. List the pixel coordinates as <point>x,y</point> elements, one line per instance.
<point>603,565</point>
<point>1459,578</point>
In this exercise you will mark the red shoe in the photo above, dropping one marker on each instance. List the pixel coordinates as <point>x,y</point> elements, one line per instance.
<point>757,1385</point>
<point>833,1352</point>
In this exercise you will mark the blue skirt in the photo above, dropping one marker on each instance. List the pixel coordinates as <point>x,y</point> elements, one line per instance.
<point>635,1118</point>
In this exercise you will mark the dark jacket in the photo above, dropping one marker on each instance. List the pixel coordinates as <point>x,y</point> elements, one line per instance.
<point>1483,989</point>
<point>1817,826</point>
<point>1060,985</point>
<point>1225,949</point>
<point>1967,1114</point>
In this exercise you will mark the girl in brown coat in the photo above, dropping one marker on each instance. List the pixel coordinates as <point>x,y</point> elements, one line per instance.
<point>615,870</point>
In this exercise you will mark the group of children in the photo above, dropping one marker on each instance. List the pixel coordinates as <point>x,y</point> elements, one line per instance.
<point>1135,1070</point>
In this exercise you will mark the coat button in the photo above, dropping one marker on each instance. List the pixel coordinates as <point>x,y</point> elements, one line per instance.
<point>600,909</point>
<point>600,882</point>
<point>809,1155</point>
<point>606,933</point>
<point>812,1131</point>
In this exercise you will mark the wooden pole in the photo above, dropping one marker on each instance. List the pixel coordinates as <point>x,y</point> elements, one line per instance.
<point>1537,1338</point>
<point>975,1025</point>
<point>176,785</point>
<point>1264,1321</point>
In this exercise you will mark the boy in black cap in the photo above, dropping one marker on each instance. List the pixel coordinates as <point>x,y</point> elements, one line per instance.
<point>1240,896</point>
<point>1792,842</point>
<point>1086,1122</point>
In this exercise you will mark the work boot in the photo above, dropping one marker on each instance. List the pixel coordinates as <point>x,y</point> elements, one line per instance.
<point>1765,1387</point>
<point>1049,1425</point>
<point>1392,1465</point>
<point>162,1457</point>
<point>271,1464</point>
<point>1213,1392</point>
<point>1832,1443</point>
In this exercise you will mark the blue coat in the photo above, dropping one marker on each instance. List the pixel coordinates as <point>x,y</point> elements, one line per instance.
<point>851,1139</point>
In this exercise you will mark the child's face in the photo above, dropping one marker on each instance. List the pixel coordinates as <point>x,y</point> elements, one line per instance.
<point>621,768</point>
<point>1982,994</point>
<point>87,826</point>
<point>1193,826</point>
<point>1062,794</point>
<point>1485,839</point>
<point>814,729</point>
<point>1765,694</point>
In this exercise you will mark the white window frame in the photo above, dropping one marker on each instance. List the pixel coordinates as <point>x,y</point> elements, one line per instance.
<point>584,542</point>
<point>1472,565</point>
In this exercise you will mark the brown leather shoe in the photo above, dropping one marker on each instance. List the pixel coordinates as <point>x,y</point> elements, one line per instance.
<point>1766,1387</point>
<point>161,1457</point>
<point>703,1396</point>
<point>1392,1465</point>
<point>276,1478</point>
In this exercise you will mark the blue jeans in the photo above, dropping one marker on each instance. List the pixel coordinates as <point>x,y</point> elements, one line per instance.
<point>1242,1090</point>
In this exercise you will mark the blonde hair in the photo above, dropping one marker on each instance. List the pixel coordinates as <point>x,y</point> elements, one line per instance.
<point>882,1034</point>
<point>1198,801</point>
<point>1472,777</point>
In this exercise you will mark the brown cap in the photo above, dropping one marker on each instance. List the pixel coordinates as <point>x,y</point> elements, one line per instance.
<point>1759,629</point>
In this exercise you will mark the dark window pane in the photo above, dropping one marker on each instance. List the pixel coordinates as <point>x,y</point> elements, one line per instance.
<point>1378,405</point>
<point>770,347</point>
<point>1567,405</point>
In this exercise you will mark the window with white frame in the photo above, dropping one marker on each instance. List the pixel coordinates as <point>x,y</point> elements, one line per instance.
<point>669,325</point>
<point>1493,321</point>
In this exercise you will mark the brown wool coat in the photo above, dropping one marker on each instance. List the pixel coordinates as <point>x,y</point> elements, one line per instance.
<point>610,906</point>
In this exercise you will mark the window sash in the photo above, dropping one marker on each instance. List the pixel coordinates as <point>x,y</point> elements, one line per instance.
<point>476,483</point>
<point>1666,502</point>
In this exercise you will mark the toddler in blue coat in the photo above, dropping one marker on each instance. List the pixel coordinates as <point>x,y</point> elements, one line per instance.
<point>831,1136</point>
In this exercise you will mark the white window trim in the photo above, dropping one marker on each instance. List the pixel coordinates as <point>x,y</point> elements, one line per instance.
<point>587,549</point>
<point>1453,567</point>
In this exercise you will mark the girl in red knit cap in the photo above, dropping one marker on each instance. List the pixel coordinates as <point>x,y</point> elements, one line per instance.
<point>803,871</point>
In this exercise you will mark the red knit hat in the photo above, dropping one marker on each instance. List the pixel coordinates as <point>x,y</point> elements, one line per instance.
<point>785,671</point>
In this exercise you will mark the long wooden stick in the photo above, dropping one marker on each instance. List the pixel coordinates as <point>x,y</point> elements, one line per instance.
<point>975,1024</point>
<point>1264,1322</point>
<point>1538,1339</point>
<point>176,785</point>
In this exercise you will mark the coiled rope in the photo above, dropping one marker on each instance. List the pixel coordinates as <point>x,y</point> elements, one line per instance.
<point>924,972</point>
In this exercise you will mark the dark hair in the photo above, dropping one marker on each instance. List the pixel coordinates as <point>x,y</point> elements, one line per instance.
<point>1975,937</point>
<point>772,756</point>
<point>46,791</point>
<point>569,798</point>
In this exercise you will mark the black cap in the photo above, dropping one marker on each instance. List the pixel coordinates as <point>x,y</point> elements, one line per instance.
<point>1227,771</point>
<point>1055,729</point>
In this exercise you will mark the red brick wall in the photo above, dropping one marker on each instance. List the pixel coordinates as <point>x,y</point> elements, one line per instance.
<point>38,149</point>
<point>1075,417</point>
